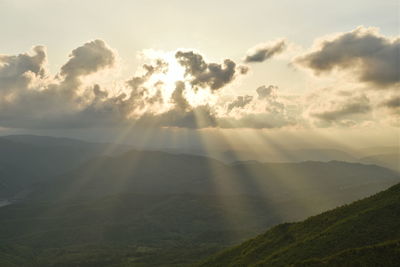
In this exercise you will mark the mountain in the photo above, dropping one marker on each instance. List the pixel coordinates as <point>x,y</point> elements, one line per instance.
<point>48,141</point>
<point>265,155</point>
<point>388,157</point>
<point>149,172</point>
<point>27,160</point>
<point>378,150</point>
<point>391,161</point>
<point>364,233</point>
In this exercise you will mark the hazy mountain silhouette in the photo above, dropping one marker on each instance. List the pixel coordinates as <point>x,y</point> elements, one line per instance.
<point>163,173</point>
<point>47,141</point>
<point>388,157</point>
<point>26,160</point>
<point>391,161</point>
<point>285,155</point>
<point>378,150</point>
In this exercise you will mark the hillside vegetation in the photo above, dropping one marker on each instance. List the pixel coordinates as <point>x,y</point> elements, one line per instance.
<point>365,233</point>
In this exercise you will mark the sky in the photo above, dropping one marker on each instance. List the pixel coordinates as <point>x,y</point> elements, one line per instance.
<point>119,70</point>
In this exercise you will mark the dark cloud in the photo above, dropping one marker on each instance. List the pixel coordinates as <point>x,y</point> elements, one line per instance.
<point>208,75</point>
<point>393,102</point>
<point>372,57</point>
<point>240,102</point>
<point>243,69</point>
<point>392,105</point>
<point>178,98</point>
<point>262,52</point>
<point>344,110</point>
<point>99,93</point>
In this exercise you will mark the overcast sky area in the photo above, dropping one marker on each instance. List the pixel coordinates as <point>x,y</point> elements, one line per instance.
<point>295,73</point>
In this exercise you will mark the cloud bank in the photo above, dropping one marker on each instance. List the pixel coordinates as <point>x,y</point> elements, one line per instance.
<point>187,91</point>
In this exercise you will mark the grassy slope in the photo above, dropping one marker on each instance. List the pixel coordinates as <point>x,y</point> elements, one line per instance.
<point>382,254</point>
<point>351,233</point>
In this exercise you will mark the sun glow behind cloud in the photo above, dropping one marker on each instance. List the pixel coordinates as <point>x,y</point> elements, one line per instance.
<point>175,72</point>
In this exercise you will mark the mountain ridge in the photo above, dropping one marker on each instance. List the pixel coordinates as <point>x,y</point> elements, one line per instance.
<point>321,238</point>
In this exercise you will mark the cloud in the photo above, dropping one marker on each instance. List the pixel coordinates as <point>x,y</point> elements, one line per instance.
<point>264,92</point>
<point>243,69</point>
<point>49,104</point>
<point>240,102</point>
<point>159,66</point>
<point>269,95</point>
<point>268,110</point>
<point>373,58</point>
<point>273,114</point>
<point>87,59</point>
<point>193,118</point>
<point>140,96</point>
<point>208,75</point>
<point>392,106</point>
<point>264,51</point>
<point>30,97</point>
<point>18,71</point>
<point>353,106</point>
<point>178,98</point>
<point>331,107</point>
<point>257,121</point>
<point>393,102</point>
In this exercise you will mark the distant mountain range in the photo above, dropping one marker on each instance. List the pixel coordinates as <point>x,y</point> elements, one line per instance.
<point>391,161</point>
<point>388,157</point>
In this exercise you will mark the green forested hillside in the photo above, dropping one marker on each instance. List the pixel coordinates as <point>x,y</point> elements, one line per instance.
<point>364,233</point>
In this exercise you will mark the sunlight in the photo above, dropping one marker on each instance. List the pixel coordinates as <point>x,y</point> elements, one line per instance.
<point>174,73</point>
